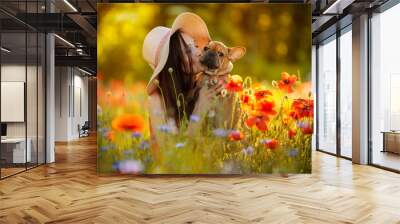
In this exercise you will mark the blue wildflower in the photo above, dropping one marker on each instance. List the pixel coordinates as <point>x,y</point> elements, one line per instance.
<point>144,145</point>
<point>219,132</point>
<point>293,152</point>
<point>180,145</point>
<point>115,165</point>
<point>248,151</point>
<point>264,141</point>
<point>104,148</point>
<point>136,134</point>
<point>302,124</point>
<point>194,118</point>
<point>130,166</point>
<point>128,152</point>
<point>165,128</point>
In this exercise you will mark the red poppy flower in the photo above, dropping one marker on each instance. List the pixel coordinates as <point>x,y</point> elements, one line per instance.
<point>271,144</point>
<point>302,108</point>
<point>235,84</point>
<point>245,99</point>
<point>266,106</point>
<point>128,122</point>
<point>111,136</point>
<point>287,81</point>
<point>292,132</point>
<point>260,121</point>
<point>236,136</point>
<point>308,130</point>
<point>261,92</point>
<point>305,127</point>
<point>294,115</point>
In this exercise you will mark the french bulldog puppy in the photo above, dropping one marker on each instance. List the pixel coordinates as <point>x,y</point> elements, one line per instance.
<point>218,58</point>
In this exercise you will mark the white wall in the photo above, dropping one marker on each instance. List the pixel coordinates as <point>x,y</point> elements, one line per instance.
<point>71,94</point>
<point>61,103</point>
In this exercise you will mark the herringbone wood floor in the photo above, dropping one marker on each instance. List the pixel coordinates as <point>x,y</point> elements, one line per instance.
<point>70,191</point>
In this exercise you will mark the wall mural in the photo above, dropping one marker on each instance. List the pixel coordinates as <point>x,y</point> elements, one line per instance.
<point>204,88</point>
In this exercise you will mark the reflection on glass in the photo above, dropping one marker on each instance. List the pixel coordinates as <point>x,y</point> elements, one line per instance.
<point>327,96</point>
<point>14,153</point>
<point>385,86</point>
<point>346,94</point>
<point>22,91</point>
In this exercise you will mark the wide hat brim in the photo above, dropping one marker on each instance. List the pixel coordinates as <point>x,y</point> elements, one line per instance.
<point>188,23</point>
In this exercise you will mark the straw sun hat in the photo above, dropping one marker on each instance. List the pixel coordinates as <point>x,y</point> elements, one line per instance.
<point>156,42</point>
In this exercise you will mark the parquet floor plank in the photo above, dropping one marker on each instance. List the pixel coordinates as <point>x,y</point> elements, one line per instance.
<point>70,191</point>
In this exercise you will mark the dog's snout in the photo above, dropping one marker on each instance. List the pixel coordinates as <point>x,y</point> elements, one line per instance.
<point>212,54</point>
<point>210,60</point>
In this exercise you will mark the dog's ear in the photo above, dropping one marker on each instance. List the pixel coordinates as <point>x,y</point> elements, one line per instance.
<point>235,53</point>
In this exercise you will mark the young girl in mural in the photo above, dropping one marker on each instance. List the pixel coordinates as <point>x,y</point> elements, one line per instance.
<point>267,128</point>
<point>174,55</point>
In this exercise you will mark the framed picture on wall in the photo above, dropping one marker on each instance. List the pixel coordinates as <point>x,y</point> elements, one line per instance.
<point>204,88</point>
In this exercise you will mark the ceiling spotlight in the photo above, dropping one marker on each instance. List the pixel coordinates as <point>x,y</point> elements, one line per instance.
<point>70,5</point>
<point>65,41</point>
<point>5,50</point>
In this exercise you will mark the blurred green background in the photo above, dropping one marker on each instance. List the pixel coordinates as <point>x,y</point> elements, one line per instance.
<point>277,36</point>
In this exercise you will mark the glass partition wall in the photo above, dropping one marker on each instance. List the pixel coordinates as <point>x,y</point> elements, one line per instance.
<point>334,94</point>
<point>385,89</point>
<point>22,77</point>
<point>326,107</point>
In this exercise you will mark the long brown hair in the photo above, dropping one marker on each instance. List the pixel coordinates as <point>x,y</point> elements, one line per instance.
<point>177,82</point>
